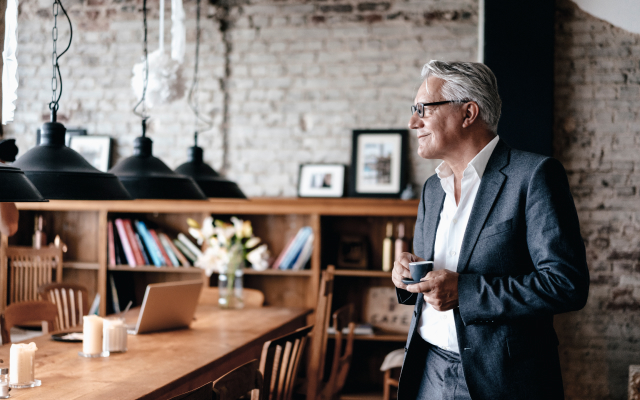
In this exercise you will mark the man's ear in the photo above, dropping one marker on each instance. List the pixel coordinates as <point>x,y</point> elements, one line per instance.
<point>471,112</point>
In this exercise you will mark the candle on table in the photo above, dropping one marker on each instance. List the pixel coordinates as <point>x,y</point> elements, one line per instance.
<point>114,335</point>
<point>92,334</point>
<point>21,363</point>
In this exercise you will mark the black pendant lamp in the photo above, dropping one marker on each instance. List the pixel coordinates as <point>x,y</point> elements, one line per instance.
<point>57,171</point>
<point>14,185</point>
<point>145,176</point>
<point>211,183</point>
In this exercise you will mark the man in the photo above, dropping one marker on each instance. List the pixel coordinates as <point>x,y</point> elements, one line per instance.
<point>503,232</point>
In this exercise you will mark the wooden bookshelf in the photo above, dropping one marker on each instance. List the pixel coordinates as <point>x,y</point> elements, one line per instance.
<point>82,225</point>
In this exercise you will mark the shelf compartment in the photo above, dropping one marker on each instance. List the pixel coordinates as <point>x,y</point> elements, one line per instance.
<point>278,272</point>
<point>362,273</point>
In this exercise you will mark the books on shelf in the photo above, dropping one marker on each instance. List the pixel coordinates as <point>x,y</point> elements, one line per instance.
<point>133,243</point>
<point>298,252</point>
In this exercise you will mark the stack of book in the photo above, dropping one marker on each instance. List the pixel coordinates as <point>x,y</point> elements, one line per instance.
<point>298,252</point>
<point>131,242</point>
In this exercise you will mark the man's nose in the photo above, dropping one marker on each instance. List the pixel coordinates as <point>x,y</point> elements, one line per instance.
<point>415,122</point>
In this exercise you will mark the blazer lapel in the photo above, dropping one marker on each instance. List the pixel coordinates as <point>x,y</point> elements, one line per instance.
<point>490,185</point>
<point>432,218</point>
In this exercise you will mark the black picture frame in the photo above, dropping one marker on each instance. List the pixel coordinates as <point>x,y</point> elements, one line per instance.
<point>387,178</point>
<point>312,180</point>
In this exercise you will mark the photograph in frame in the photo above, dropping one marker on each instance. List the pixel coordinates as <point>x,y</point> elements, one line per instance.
<point>378,163</point>
<point>321,180</point>
<point>95,149</point>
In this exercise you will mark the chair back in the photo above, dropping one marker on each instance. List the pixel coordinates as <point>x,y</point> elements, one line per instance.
<point>250,297</point>
<point>28,311</point>
<point>31,268</point>
<point>70,299</point>
<point>239,382</point>
<point>279,364</point>
<point>204,392</point>
<point>319,341</point>
<point>343,351</point>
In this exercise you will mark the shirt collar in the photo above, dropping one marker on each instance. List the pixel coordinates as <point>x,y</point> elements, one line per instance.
<point>478,163</point>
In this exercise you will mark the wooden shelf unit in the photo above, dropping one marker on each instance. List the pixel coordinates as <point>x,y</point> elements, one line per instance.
<point>82,225</point>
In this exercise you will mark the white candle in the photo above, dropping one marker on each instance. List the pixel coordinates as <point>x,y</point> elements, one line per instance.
<point>114,335</point>
<point>21,363</point>
<point>92,334</point>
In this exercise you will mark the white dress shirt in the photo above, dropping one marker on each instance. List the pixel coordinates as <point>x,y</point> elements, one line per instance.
<point>436,327</point>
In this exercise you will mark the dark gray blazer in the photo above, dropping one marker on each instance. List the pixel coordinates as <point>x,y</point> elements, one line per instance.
<point>522,261</point>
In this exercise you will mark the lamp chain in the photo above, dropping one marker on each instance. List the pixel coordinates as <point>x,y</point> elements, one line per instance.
<point>56,79</point>
<point>193,91</point>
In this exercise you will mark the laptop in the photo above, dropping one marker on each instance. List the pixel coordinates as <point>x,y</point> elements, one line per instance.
<point>169,305</point>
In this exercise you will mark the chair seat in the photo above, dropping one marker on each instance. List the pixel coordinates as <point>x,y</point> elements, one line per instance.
<point>393,360</point>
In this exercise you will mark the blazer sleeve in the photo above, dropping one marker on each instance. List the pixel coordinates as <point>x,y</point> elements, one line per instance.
<point>560,282</point>
<point>405,297</point>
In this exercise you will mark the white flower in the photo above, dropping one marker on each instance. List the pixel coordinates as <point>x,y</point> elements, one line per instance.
<point>207,227</point>
<point>237,227</point>
<point>197,234</point>
<point>253,242</point>
<point>259,257</point>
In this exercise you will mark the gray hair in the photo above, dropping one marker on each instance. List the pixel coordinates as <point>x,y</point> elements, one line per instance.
<point>468,81</point>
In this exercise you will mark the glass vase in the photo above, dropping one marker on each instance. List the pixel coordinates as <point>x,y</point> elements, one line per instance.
<point>230,281</point>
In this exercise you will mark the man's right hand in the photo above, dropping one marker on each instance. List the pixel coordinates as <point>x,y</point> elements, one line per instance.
<point>401,269</point>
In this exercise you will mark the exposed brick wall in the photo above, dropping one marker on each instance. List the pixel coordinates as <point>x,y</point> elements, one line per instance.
<point>597,138</point>
<point>298,77</point>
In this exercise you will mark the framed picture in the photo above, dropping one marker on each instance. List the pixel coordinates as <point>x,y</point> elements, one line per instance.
<point>321,180</point>
<point>95,149</point>
<point>353,252</point>
<point>378,163</point>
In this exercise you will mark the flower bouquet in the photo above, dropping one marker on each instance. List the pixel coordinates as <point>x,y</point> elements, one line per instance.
<point>227,245</point>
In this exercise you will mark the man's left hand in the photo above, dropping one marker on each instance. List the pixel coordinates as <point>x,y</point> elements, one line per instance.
<point>440,289</point>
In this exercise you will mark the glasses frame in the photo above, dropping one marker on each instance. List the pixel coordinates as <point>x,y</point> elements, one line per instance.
<point>419,107</point>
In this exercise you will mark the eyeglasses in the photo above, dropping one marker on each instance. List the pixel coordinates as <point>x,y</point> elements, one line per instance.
<point>421,106</point>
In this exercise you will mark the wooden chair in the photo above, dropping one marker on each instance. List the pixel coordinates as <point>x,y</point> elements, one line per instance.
<point>392,361</point>
<point>239,382</point>
<point>319,342</point>
<point>250,297</point>
<point>28,311</point>
<point>204,392</point>
<point>279,365</point>
<point>343,352</point>
<point>31,268</point>
<point>71,301</point>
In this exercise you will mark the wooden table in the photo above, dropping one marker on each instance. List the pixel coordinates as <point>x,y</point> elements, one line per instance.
<point>159,365</point>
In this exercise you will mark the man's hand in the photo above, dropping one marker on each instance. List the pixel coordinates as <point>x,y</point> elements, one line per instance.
<point>440,289</point>
<point>401,269</point>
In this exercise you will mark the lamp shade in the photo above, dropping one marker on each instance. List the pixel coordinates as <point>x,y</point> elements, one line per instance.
<point>147,177</point>
<point>211,183</point>
<point>16,187</point>
<point>60,173</point>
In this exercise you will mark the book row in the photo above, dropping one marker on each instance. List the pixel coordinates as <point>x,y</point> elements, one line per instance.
<point>131,242</point>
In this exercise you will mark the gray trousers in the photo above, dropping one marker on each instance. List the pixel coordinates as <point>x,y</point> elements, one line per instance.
<point>443,377</point>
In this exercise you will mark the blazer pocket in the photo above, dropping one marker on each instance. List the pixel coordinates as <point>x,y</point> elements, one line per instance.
<point>496,229</point>
<point>518,347</point>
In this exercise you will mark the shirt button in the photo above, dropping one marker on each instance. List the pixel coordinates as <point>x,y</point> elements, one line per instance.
<point>453,252</point>
<point>455,221</point>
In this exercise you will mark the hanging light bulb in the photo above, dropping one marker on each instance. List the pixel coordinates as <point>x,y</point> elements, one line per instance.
<point>211,183</point>
<point>145,176</point>
<point>57,171</point>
